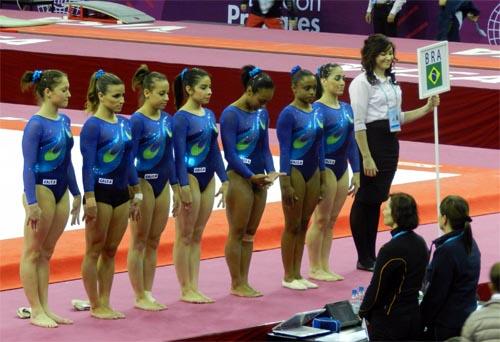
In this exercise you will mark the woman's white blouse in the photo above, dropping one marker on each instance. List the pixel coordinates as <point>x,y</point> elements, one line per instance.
<point>372,102</point>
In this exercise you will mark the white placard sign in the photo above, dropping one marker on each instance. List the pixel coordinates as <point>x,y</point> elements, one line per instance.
<point>433,70</point>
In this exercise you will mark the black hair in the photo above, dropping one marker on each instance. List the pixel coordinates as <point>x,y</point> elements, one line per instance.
<point>187,77</point>
<point>324,71</point>
<point>456,210</point>
<point>375,45</point>
<point>145,79</point>
<point>41,80</point>
<point>99,83</point>
<point>495,276</point>
<point>298,74</point>
<point>260,79</point>
<point>404,210</point>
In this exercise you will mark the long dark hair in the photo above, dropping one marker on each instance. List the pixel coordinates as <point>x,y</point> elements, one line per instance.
<point>456,210</point>
<point>145,79</point>
<point>324,72</point>
<point>40,80</point>
<point>404,210</point>
<point>253,77</point>
<point>99,83</point>
<point>374,46</point>
<point>187,77</point>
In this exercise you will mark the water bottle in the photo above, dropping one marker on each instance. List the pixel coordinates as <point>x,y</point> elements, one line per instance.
<point>355,301</point>
<point>361,294</point>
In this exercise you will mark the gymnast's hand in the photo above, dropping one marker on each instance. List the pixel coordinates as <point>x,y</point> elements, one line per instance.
<point>288,196</point>
<point>75,210</point>
<point>322,191</point>
<point>222,192</point>
<point>353,188</point>
<point>186,197</point>
<point>177,202</point>
<point>135,209</point>
<point>34,216</point>
<point>261,180</point>
<point>369,167</point>
<point>89,209</point>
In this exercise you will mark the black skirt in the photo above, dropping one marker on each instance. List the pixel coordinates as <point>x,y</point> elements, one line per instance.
<point>384,149</point>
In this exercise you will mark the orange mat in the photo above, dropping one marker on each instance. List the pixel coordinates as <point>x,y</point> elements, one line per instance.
<point>65,265</point>
<point>237,44</point>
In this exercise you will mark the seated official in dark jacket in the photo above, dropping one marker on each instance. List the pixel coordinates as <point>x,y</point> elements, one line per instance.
<point>390,306</point>
<point>452,276</point>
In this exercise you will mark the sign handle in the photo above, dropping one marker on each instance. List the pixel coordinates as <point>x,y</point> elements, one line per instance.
<point>436,158</point>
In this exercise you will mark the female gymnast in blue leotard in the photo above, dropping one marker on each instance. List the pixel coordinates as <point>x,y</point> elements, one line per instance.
<point>244,134</point>
<point>197,158</point>
<point>154,161</point>
<point>340,148</point>
<point>300,134</point>
<point>48,173</point>
<point>108,172</point>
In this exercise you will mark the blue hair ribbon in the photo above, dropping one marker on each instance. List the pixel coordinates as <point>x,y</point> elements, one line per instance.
<point>295,69</point>
<point>37,74</point>
<point>99,73</point>
<point>254,72</point>
<point>183,72</point>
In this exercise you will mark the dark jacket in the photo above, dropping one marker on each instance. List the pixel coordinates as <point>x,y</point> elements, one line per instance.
<point>275,8</point>
<point>451,283</point>
<point>392,295</point>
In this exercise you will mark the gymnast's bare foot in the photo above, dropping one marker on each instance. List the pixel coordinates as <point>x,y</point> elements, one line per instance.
<point>58,319</point>
<point>147,304</point>
<point>41,319</point>
<point>103,313</point>
<point>206,299</point>
<point>255,293</point>
<point>241,291</point>
<point>191,296</point>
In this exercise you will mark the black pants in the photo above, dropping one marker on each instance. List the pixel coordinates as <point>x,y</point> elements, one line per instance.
<point>440,333</point>
<point>380,24</point>
<point>405,328</point>
<point>364,225</point>
<point>373,191</point>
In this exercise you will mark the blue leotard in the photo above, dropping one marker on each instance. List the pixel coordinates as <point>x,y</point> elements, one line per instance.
<point>339,143</point>
<point>108,166</point>
<point>196,148</point>
<point>153,151</point>
<point>246,141</point>
<point>300,137</point>
<point>47,148</point>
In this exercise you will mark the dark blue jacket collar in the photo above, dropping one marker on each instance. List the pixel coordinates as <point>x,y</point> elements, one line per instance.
<point>397,231</point>
<point>442,239</point>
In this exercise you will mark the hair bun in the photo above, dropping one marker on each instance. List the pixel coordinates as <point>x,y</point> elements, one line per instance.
<point>295,69</point>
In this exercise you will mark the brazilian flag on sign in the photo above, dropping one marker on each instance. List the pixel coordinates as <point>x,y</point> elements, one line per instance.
<point>434,75</point>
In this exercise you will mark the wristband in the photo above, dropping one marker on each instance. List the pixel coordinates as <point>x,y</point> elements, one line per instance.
<point>138,196</point>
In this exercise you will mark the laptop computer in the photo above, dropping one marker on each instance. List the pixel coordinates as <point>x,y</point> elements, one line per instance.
<point>295,327</point>
<point>343,312</point>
